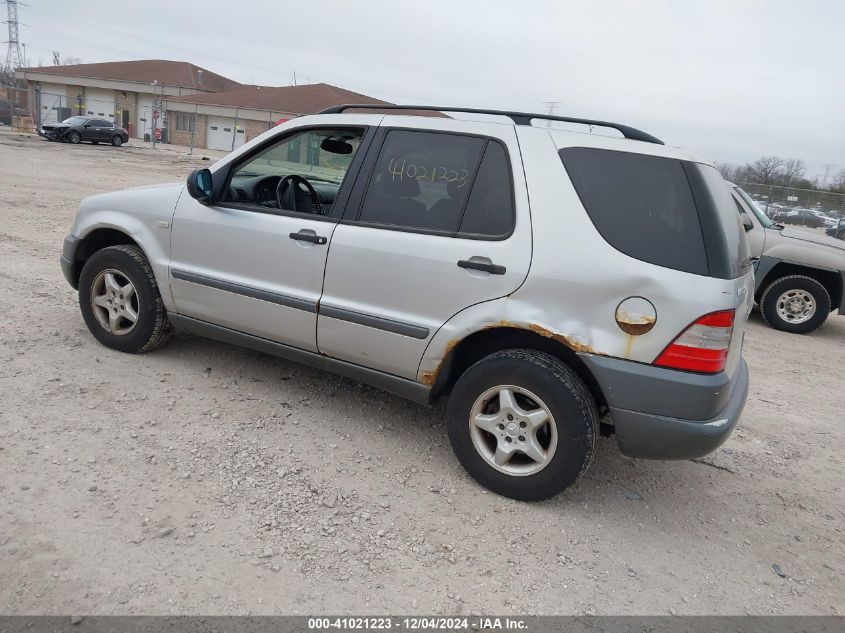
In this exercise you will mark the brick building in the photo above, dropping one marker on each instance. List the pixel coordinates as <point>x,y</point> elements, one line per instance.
<point>124,92</point>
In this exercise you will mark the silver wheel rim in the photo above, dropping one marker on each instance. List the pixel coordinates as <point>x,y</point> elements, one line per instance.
<point>513,430</point>
<point>796,306</point>
<point>114,302</point>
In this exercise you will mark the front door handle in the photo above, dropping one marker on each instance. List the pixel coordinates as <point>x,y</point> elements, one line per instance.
<point>308,237</point>
<point>491,268</point>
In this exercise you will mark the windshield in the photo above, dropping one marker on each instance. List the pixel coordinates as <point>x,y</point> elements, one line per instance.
<point>75,120</point>
<point>762,217</point>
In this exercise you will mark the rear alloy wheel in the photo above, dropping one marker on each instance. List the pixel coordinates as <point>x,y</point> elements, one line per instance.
<point>523,424</point>
<point>796,304</point>
<point>116,141</point>
<point>73,137</point>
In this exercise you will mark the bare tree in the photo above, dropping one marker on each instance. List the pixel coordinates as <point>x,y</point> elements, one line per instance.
<point>766,170</point>
<point>793,170</point>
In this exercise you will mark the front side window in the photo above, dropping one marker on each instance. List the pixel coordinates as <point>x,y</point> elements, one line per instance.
<point>284,178</point>
<point>440,182</point>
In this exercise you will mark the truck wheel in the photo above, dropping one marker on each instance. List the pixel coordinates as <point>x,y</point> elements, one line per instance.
<point>73,137</point>
<point>523,424</point>
<point>796,304</point>
<point>120,301</point>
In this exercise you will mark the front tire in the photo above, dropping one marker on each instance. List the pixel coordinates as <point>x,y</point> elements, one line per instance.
<point>796,303</point>
<point>73,137</point>
<point>523,424</point>
<point>116,141</point>
<point>120,301</point>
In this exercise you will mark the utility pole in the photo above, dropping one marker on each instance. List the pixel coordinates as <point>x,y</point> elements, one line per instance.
<point>551,109</point>
<point>14,58</point>
<point>827,168</point>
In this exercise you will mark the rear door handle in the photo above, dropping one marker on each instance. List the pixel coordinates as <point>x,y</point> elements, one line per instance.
<point>308,237</point>
<point>493,269</point>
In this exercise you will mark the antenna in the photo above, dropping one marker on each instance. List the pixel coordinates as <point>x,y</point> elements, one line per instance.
<point>14,58</point>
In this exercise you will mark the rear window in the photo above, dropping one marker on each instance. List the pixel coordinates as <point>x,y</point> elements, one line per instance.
<point>672,213</point>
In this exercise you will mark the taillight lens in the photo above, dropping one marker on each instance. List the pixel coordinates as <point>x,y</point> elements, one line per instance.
<point>703,346</point>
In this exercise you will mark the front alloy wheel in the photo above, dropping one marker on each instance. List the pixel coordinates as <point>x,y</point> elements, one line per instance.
<point>114,302</point>
<point>73,137</point>
<point>120,301</point>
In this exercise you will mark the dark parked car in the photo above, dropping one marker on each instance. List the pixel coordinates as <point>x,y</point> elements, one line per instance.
<point>803,217</point>
<point>85,128</point>
<point>7,111</point>
<point>837,231</point>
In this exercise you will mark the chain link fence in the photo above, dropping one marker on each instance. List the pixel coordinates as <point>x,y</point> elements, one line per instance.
<point>810,208</point>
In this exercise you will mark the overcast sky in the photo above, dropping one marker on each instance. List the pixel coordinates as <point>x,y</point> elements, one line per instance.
<point>731,80</point>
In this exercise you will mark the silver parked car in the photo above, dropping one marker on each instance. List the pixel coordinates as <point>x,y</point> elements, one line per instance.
<point>800,274</point>
<point>540,279</point>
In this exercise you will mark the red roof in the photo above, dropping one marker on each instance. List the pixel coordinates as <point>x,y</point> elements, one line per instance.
<point>164,71</point>
<point>306,99</point>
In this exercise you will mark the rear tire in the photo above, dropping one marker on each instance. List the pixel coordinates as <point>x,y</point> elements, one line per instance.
<point>554,419</point>
<point>120,301</point>
<point>796,303</point>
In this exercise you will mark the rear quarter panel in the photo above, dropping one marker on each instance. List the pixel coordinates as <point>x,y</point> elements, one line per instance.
<point>577,280</point>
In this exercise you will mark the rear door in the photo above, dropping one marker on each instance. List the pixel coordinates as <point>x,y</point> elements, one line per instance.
<point>438,222</point>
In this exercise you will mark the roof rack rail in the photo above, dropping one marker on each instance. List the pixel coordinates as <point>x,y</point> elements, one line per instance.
<point>519,118</point>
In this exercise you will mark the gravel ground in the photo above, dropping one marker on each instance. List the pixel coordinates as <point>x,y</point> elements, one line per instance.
<point>205,479</point>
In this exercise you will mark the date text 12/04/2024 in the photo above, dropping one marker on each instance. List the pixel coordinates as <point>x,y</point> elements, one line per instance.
<point>420,623</point>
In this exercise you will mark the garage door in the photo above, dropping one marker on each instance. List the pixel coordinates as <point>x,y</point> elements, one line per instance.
<point>99,103</point>
<point>54,103</point>
<point>144,116</point>
<point>222,131</point>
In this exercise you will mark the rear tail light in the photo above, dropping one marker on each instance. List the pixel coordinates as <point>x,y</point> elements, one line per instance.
<point>703,346</point>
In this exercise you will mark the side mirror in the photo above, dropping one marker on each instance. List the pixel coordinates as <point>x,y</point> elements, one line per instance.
<point>87,125</point>
<point>747,223</point>
<point>201,186</point>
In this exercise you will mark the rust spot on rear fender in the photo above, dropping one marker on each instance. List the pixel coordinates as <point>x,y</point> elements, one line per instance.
<point>428,378</point>
<point>575,346</point>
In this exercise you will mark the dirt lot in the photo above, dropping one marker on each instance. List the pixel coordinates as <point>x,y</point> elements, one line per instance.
<point>203,478</point>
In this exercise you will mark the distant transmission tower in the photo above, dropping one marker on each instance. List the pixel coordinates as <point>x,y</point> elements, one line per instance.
<point>14,58</point>
<point>551,109</point>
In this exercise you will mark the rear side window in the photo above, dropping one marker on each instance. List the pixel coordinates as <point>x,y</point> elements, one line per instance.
<point>490,209</point>
<point>439,182</point>
<point>642,205</point>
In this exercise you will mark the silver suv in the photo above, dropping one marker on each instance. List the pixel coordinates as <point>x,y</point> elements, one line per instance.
<point>543,280</point>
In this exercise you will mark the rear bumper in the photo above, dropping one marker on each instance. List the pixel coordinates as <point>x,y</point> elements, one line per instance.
<point>665,414</point>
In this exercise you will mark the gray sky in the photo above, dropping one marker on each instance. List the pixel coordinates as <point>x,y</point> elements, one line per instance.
<point>731,80</point>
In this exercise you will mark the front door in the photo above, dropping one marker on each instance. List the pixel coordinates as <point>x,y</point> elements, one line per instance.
<point>438,222</point>
<point>255,262</point>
